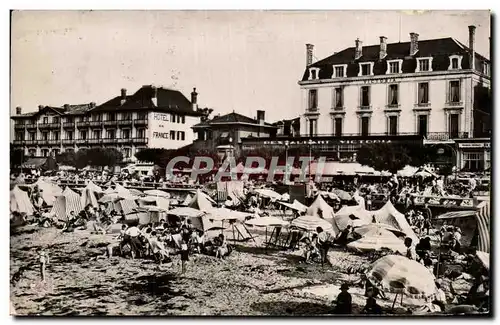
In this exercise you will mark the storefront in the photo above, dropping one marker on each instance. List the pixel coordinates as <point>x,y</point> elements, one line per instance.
<point>474,154</point>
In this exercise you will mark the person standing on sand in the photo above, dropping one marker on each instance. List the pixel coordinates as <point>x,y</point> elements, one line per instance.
<point>344,301</point>
<point>43,260</point>
<point>322,244</point>
<point>184,256</point>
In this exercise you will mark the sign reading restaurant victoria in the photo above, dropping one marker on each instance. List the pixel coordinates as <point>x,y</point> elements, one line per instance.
<point>159,129</point>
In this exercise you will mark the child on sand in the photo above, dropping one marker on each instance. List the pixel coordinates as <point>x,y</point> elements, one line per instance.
<point>184,256</point>
<point>43,259</point>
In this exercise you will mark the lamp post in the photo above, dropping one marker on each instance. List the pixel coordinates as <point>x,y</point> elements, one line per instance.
<point>286,157</point>
<point>310,158</point>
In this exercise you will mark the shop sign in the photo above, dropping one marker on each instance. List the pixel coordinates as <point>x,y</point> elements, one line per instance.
<point>474,145</point>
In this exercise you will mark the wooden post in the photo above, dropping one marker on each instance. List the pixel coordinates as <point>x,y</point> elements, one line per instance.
<point>394,302</point>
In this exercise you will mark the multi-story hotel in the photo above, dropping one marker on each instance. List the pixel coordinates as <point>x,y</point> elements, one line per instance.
<point>150,118</point>
<point>438,90</point>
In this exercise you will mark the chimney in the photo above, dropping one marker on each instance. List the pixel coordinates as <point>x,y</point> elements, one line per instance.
<point>154,96</point>
<point>472,33</point>
<point>383,47</point>
<point>413,43</point>
<point>261,116</point>
<point>194,100</point>
<point>40,107</point>
<point>123,96</point>
<point>309,54</point>
<point>66,106</point>
<point>92,105</point>
<point>358,52</point>
<point>19,110</point>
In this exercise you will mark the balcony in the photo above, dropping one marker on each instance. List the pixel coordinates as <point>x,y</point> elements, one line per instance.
<point>125,140</point>
<point>18,142</point>
<point>69,125</point>
<point>43,142</point>
<point>108,123</point>
<point>94,141</point>
<point>445,136</point>
<point>140,140</point>
<point>125,122</point>
<point>44,126</point>
<point>31,126</point>
<point>54,125</point>
<point>454,105</point>
<point>83,124</point>
<point>95,123</point>
<point>81,141</point>
<point>30,142</point>
<point>312,111</point>
<point>54,141</point>
<point>138,122</point>
<point>19,126</point>
<point>392,108</point>
<point>68,141</point>
<point>109,140</point>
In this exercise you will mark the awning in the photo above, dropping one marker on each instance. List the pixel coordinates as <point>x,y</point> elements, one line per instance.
<point>34,163</point>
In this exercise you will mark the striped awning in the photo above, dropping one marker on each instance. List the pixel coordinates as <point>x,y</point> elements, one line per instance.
<point>456,214</point>
<point>65,203</point>
<point>483,225</point>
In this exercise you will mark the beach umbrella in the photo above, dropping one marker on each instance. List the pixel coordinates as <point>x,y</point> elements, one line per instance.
<point>376,240</point>
<point>157,193</point>
<point>265,192</point>
<point>113,197</point>
<point>342,195</point>
<point>267,222</point>
<point>399,274</point>
<point>222,214</point>
<point>186,212</point>
<point>135,192</point>
<point>285,197</point>
<point>375,226</point>
<point>310,223</point>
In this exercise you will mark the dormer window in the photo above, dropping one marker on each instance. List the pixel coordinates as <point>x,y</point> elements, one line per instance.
<point>339,71</point>
<point>313,73</point>
<point>365,69</point>
<point>424,65</point>
<point>455,62</point>
<point>394,66</point>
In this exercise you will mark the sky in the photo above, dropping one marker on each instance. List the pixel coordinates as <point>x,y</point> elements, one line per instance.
<point>240,61</point>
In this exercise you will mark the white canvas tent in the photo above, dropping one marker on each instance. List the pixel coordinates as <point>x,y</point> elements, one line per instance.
<point>20,202</point>
<point>389,215</point>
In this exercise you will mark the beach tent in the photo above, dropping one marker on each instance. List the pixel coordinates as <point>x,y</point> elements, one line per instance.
<point>91,185</point>
<point>157,201</point>
<point>483,224</point>
<point>49,191</point>
<point>320,205</point>
<point>353,216</point>
<point>65,203</point>
<point>187,200</point>
<point>377,239</point>
<point>465,220</point>
<point>310,223</point>
<point>122,206</point>
<point>201,201</point>
<point>91,194</point>
<point>20,202</point>
<point>389,215</point>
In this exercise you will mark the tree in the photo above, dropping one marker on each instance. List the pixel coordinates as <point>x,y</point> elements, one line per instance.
<point>384,156</point>
<point>67,158</point>
<point>98,157</point>
<point>153,155</point>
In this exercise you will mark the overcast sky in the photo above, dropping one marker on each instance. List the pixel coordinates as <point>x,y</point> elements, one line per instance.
<point>241,61</point>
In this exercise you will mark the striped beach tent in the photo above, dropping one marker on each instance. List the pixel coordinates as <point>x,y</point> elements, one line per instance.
<point>20,202</point>
<point>65,203</point>
<point>483,226</point>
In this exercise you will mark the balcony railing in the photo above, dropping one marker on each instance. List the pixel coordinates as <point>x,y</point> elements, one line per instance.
<point>81,124</point>
<point>43,141</point>
<point>110,123</point>
<point>44,125</point>
<point>140,121</point>
<point>31,126</point>
<point>54,125</point>
<point>19,126</point>
<point>422,105</point>
<point>94,141</point>
<point>140,140</point>
<point>68,141</point>
<point>54,141</point>
<point>446,136</point>
<point>81,141</point>
<point>95,123</point>
<point>109,140</point>
<point>312,110</point>
<point>125,122</point>
<point>125,140</point>
<point>68,124</point>
<point>18,142</point>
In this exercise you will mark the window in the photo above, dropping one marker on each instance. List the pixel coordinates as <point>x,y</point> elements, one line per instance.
<point>183,136</point>
<point>393,125</point>
<point>423,93</point>
<point>45,152</point>
<point>45,136</point>
<point>70,150</point>
<point>453,124</point>
<point>127,152</point>
<point>83,135</point>
<point>96,118</point>
<point>337,126</point>
<point>314,74</point>
<point>365,96</point>
<point>178,119</point>
<point>338,100</point>
<point>394,67</point>
<point>423,65</point>
<point>365,69</point>
<point>486,69</point>
<point>19,136</point>
<point>69,135</point>
<point>178,135</point>
<point>45,120</point>
<point>110,134</point>
<point>141,133</point>
<point>313,99</point>
<point>32,136</point>
<point>126,134</point>
<point>55,119</point>
<point>172,135</point>
<point>111,117</point>
<point>32,152</point>
<point>142,116</point>
<point>183,119</point>
<point>454,96</point>
<point>454,63</point>
<point>127,116</point>
<point>339,71</point>
<point>393,95</point>
<point>422,125</point>
<point>474,161</point>
<point>172,118</point>
<point>97,134</point>
<point>313,127</point>
<point>365,126</point>
<point>69,120</point>
<point>19,122</point>
<point>55,152</point>
<point>55,135</point>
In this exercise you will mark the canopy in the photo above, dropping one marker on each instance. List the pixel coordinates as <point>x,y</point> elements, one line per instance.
<point>392,217</point>
<point>20,179</point>
<point>45,163</point>
<point>91,185</point>
<point>397,273</point>
<point>157,193</point>
<point>187,200</point>
<point>320,205</point>
<point>265,192</point>
<point>484,258</point>
<point>483,225</point>
<point>157,201</point>
<point>49,191</point>
<point>424,172</point>
<point>363,230</point>
<point>407,171</point>
<point>330,195</point>
<point>89,197</point>
<point>343,195</point>
<point>221,214</point>
<point>456,214</point>
<point>186,212</point>
<point>330,168</point>
<point>310,223</point>
<point>377,239</point>
<point>359,212</point>
<point>296,205</point>
<point>114,197</point>
<point>65,203</point>
<point>135,192</point>
<point>267,222</point>
<point>20,202</point>
<point>122,206</point>
<point>201,201</point>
